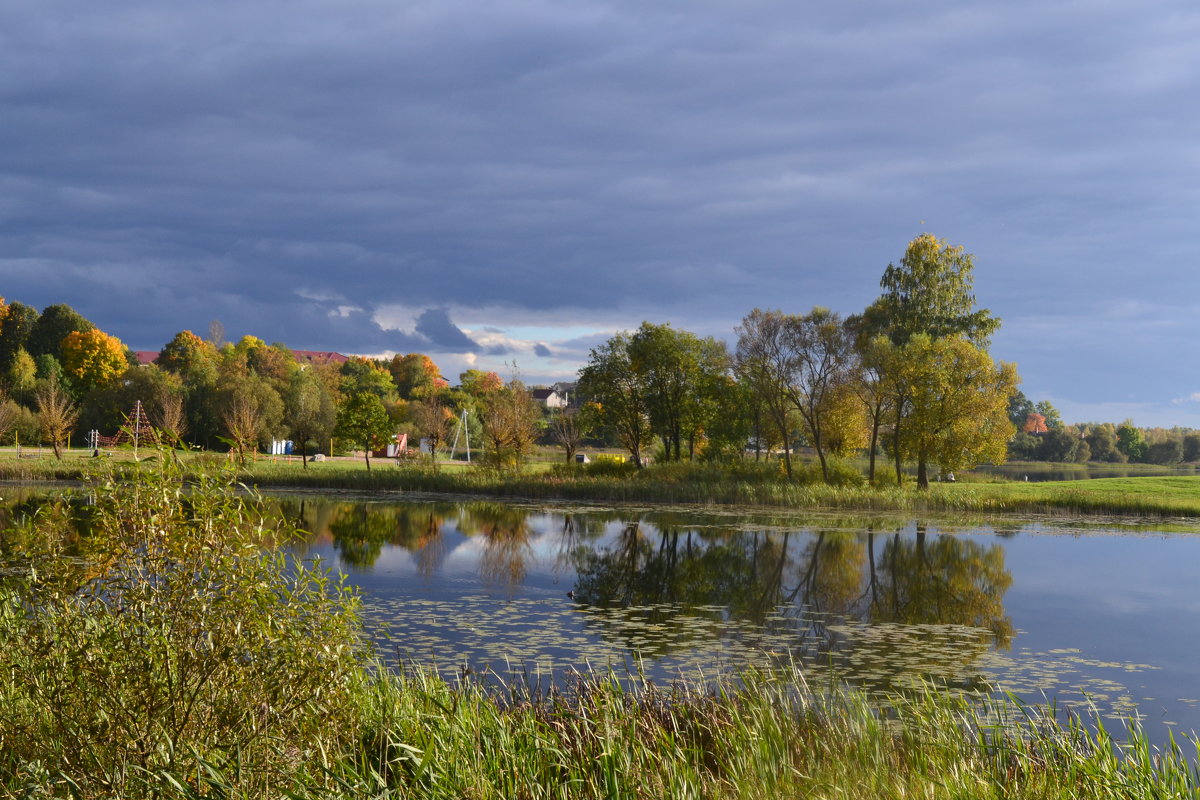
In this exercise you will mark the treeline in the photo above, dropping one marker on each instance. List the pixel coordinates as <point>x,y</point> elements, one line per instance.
<point>910,377</point>
<point>1043,436</point>
<point>63,377</point>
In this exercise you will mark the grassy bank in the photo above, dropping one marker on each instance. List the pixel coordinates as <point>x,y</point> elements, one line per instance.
<point>742,484</point>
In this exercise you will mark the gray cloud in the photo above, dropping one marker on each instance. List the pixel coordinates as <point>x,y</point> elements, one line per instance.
<point>435,325</point>
<point>161,166</point>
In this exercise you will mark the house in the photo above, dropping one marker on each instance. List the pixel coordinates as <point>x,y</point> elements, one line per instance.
<point>145,357</point>
<point>557,396</point>
<point>319,357</point>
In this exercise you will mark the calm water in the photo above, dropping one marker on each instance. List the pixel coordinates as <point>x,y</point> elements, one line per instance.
<point>1044,609</point>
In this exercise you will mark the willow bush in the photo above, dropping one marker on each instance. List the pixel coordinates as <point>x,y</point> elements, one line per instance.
<point>173,632</point>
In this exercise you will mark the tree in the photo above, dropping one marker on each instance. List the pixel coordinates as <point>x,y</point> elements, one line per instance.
<point>15,328</point>
<point>308,411</point>
<point>511,418</point>
<point>10,413</point>
<point>763,365</point>
<point>569,425</point>
<point>367,375</point>
<point>21,375</point>
<point>478,383</point>
<point>678,373</point>
<point>52,327</point>
<point>1191,447</point>
<point>847,424</point>
<point>1131,441</point>
<point>433,419</point>
<point>92,358</point>
<point>1168,452</point>
<point>415,374</point>
<point>930,293</point>
<point>1060,445</point>
<point>609,380</point>
<point>1019,409</point>
<point>56,414</point>
<point>251,411</point>
<point>1050,414</point>
<point>818,355</point>
<point>959,404</point>
<point>185,353</point>
<point>870,383</point>
<point>363,420</point>
<point>1102,441</point>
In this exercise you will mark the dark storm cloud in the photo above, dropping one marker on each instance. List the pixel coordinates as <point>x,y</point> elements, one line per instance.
<point>542,350</point>
<point>435,325</point>
<point>290,168</point>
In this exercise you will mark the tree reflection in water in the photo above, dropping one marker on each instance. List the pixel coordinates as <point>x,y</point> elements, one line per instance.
<point>760,581</point>
<point>666,582</point>
<point>506,533</point>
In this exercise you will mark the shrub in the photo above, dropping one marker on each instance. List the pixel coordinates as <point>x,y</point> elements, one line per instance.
<point>180,636</point>
<point>609,466</point>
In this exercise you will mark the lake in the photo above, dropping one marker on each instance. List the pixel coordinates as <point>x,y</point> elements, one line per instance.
<point>1081,613</point>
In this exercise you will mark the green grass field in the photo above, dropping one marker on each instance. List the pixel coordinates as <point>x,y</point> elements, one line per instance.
<point>742,484</point>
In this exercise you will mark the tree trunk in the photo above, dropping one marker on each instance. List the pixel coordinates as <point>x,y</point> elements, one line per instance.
<point>821,457</point>
<point>303,454</point>
<point>367,454</point>
<point>874,445</point>
<point>922,473</point>
<point>896,454</point>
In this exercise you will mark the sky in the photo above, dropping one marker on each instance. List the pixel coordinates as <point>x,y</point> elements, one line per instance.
<point>503,184</point>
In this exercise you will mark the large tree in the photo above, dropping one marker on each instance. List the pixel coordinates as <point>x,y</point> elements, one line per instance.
<point>92,358</point>
<point>959,404</point>
<point>414,375</point>
<point>251,412</point>
<point>819,357</point>
<point>609,380</point>
<point>679,373</point>
<point>54,324</point>
<point>19,320</point>
<point>308,411</point>
<point>364,420</point>
<point>763,364</point>
<point>928,294</point>
<point>511,420</point>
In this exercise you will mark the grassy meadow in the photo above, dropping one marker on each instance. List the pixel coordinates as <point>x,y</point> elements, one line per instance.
<point>164,646</point>
<point>744,483</point>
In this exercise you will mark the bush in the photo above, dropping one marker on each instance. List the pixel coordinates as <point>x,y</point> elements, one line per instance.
<point>179,636</point>
<point>608,466</point>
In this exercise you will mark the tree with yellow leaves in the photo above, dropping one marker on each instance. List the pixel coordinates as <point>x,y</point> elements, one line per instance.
<point>958,404</point>
<point>92,358</point>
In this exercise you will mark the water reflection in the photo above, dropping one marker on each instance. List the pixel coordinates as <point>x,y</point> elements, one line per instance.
<point>670,585</point>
